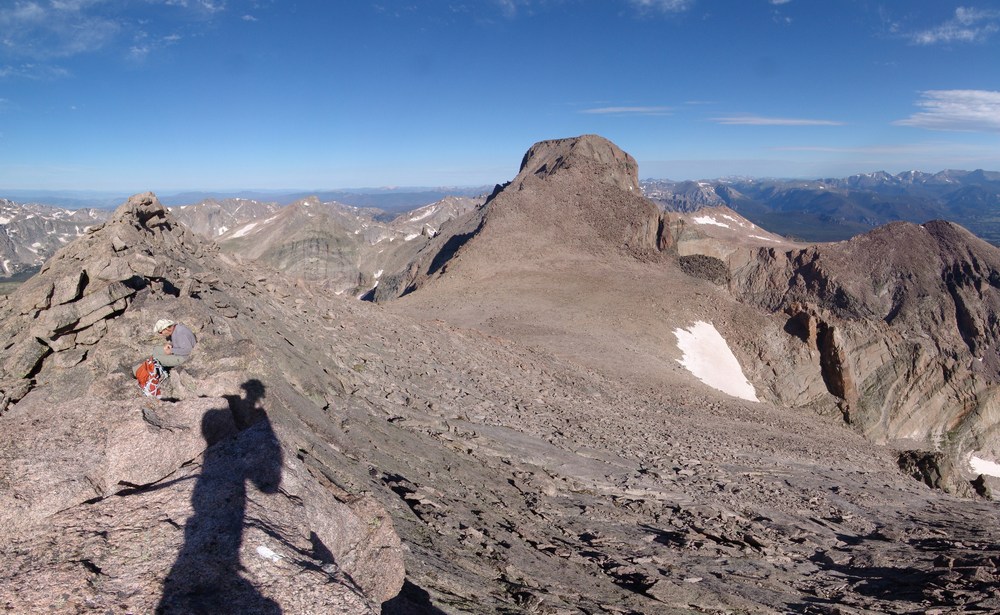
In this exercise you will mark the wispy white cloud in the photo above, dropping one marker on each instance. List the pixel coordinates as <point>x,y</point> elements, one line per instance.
<point>628,111</point>
<point>903,149</point>
<point>248,18</point>
<point>508,7</point>
<point>969,25</point>
<point>779,2</point>
<point>665,6</point>
<point>55,29</point>
<point>204,5</point>
<point>213,7</point>
<point>46,31</point>
<point>38,72</point>
<point>756,120</point>
<point>961,110</point>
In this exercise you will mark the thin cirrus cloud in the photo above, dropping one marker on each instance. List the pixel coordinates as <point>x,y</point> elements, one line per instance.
<point>757,120</point>
<point>628,111</point>
<point>907,149</point>
<point>32,71</point>
<point>54,30</point>
<point>958,110</point>
<point>666,6</point>
<point>44,32</point>
<point>969,25</point>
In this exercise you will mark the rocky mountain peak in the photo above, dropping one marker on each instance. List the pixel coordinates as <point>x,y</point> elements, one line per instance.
<point>143,209</point>
<point>593,155</point>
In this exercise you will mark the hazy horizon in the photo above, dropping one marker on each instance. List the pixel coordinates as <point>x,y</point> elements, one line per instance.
<point>83,194</point>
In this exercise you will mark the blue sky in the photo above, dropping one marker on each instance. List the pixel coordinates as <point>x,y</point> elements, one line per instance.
<point>165,95</point>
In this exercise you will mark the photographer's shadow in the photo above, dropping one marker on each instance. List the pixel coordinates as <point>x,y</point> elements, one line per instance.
<point>206,577</point>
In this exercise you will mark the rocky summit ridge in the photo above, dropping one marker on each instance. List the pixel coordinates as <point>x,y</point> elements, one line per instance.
<point>510,431</point>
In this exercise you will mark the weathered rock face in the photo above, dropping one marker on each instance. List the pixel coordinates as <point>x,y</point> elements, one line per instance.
<point>588,154</point>
<point>580,193</point>
<point>545,197</point>
<point>900,326</point>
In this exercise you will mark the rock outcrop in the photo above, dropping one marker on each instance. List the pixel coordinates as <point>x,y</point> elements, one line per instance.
<point>570,194</point>
<point>112,501</point>
<point>895,330</point>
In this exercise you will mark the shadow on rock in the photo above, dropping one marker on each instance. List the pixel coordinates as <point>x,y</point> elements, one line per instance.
<point>411,600</point>
<point>206,576</point>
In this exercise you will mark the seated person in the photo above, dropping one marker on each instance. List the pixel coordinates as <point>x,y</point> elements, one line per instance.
<point>180,343</point>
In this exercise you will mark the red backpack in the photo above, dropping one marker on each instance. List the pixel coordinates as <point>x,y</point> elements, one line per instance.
<point>150,375</point>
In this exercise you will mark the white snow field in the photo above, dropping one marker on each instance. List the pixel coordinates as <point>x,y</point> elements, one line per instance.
<point>708,357</point>
<point>983,466</point>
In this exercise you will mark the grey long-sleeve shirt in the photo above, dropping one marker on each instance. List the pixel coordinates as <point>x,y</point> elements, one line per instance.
<point>182,341</point>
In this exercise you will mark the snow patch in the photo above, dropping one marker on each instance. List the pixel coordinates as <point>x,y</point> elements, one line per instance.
<point>430,211</point>
<point>411,236</point>
<point>708,357</point>
<point>762,237</point>
<point>243,231</point>
<point>378,274</point>
<point>709,220</point>
<point>222,230</point>
<point>983,466</point>
<point>4,220</point>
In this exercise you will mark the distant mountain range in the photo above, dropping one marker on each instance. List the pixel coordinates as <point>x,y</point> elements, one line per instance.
<point>836,209</point>
<point>806,210</point>
<point>390,200</point>
<point>29,234</point>
<point>342,234</point>
<point>342,248</point>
